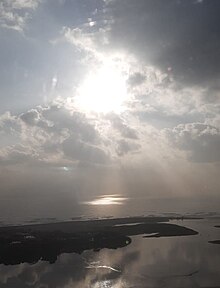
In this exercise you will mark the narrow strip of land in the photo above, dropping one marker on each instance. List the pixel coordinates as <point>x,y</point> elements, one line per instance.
<point>215,242</point>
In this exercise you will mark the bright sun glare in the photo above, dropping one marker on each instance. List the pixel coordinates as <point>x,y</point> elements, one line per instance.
<point>103,90</point>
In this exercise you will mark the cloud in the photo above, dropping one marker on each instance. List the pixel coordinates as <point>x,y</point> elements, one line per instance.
<point>166,78</point>
<point>136,79</point>
<point>88,40</point>
<point>9,123</point>
<point>78,150</point>
<point>160,101</point>
<point>79,39</point>
<point>18,154</point>
<point>120,125</point>
<point>201,141</point>
<point>31,117</point>
<point>124,147</point>
<point>15,13</point>
<point>73,120</point>
<point>53,134</point>
<point>176,35</point>
<point>60,132</point>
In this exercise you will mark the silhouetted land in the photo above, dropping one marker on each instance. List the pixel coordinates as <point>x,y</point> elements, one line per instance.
<point>30,243</point>
<point>215,242</point>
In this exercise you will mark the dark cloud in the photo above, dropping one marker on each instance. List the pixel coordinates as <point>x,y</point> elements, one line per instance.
<point>180,36</point>
<point>136,79</point>
<point>124,147</point>
<point>31,117</point>
<point>74,121</point>
<point>120,125</point>
<point>78,150</point>
<point>160,118</point>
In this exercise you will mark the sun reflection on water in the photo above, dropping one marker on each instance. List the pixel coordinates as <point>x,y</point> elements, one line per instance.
<point>107,200</point>
<point>109,284</point>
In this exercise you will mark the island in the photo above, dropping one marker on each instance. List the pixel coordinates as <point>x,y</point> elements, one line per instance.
<point>31,243</point>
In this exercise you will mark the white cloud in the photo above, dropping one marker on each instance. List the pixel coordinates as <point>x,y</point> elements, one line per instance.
<point>18,154</point>
<point>199,140</point>
<point>22,4</point>
<point>15,13</point>
<point>51,134</point>
<point>79,39</point>
<point>92,42</point>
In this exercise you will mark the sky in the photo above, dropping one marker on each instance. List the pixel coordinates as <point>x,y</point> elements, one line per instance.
<point>109,97</point>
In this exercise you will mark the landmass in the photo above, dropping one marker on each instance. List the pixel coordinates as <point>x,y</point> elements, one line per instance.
<point>215,242</point>
<point>31,243</point>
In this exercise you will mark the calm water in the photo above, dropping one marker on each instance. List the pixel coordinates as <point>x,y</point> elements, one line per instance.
<point>154,262</point>
<point>46,207</point>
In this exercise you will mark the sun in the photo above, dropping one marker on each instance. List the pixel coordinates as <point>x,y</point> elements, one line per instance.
<point>103,90</point>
